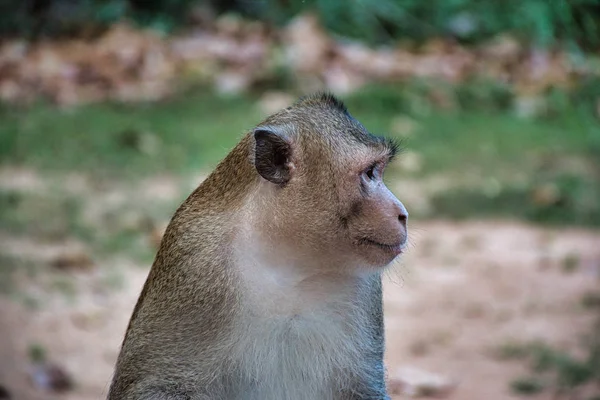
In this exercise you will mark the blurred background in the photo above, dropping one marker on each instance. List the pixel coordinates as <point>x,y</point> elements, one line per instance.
<point>111,112</point>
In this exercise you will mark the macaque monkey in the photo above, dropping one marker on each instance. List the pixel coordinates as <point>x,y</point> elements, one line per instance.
<point>267,283</point>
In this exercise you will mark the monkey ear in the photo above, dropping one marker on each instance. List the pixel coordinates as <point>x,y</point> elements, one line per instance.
<point>272,157</point>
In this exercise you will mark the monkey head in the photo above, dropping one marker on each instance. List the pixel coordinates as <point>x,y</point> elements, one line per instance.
<point>321,190</point>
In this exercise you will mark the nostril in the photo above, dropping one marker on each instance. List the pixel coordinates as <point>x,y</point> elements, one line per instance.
<point>402,218</point>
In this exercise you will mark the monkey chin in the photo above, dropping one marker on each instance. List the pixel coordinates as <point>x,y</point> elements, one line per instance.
<point>379,255</point>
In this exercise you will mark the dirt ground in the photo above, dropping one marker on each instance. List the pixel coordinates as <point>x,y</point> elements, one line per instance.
<point>462,291</point>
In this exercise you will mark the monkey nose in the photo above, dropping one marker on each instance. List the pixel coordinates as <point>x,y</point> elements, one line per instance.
<point>402,214</point>
<point>403,218</point>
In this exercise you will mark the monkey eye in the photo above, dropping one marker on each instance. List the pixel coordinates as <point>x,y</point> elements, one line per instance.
<point>371,172</point>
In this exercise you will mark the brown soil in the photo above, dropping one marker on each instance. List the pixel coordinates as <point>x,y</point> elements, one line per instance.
<point>461,292</point>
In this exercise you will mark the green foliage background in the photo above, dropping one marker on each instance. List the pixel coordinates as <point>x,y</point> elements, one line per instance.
<point>544,22</point>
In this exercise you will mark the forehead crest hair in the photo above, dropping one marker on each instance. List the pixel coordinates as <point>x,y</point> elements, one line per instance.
<point>322,99</point>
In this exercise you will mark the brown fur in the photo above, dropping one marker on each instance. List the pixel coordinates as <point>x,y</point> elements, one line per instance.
<point>316,216</point>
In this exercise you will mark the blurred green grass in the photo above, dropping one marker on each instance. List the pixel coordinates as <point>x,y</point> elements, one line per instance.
<point>485,138</point>
<point>496,157</point>
<point>122,140</point>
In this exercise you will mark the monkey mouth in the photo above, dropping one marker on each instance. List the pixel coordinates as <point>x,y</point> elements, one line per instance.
<point>396,249</point>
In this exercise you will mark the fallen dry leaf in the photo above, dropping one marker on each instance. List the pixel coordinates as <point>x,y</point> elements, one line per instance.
<point>545,195</point>
<point>73,261</point>
<point>306,44</point>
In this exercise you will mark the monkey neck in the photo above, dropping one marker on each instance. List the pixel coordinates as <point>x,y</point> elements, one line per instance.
<point>227,186</point>
<point>206,220</point>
